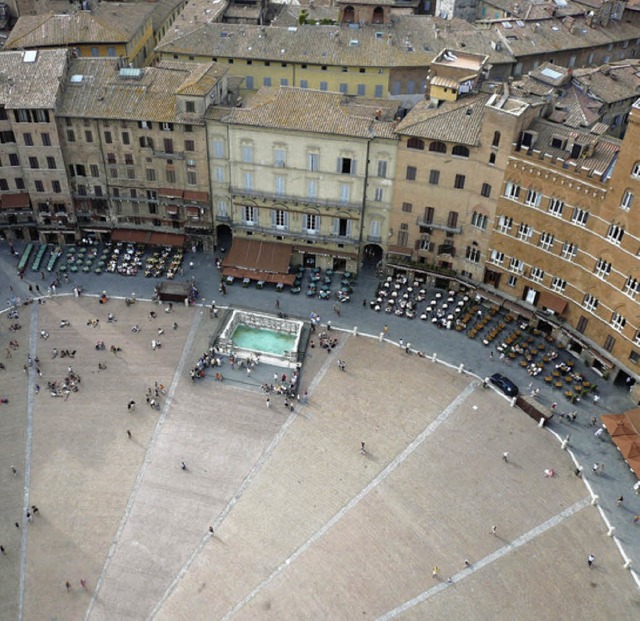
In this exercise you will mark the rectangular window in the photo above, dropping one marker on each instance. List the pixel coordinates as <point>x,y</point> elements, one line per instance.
<point>39,186</point>
<point>284,82</point>
<point>280,185</point>
<point>434,177</point>
<point>609,343</point>
<point>189,145</point>
<point>279,158</point>
<point>128,159</point>
<point>46,140</point>
<point>55,186</point>
<point>411,173</point>
<point>312,188</point>
<point>304,83</point>
<point>486,190</point>
<point>170,175</point>
<point>627,200</point>
<point>190,106</point>
<point>497,257</point>
<point>168,145</point>
<point>28,139</point>
<point>111,158</point>
<point>581,326</point>
<point>324,86</point>
<point>4,185</point>
<point>603,269</point>
<point>344,88</point>
<point>452,220</point>
<point>459,182</point>
<point>33,162</point>
<point>108,138</point>
<point>533,198</point>
<point>247,178</point>
<point>20,183</point>
<point>280,219</point>
<point>362,89</point>
<point>512,191</point>
<point>126,138</point>
<point>95,172</point>
<point>312,161</point>
<point>590,302</point>
<point>635,171</point>
<point>166,127</point>
<point>504,224</point>
<point>631,287</point>
<point>407,207</point>
<point>377,91</point>
<point>266,81</point>
<point>218,147</point>
<point>569,251</point>
<point>51,162</point>
<point>250,214</point>
<point>14,160</point>
<point>192,177</point>
<point>151,174</point>
<point>472,254</point>
<point>88,135</point>
<point>512,281</point>
<point>218,173</point>
<point>537,274</point>
<point>346,166</point>
<point>247,153</point>
<point>580,216</point>
<point>479,220</point>
<point>615,234</point>
<point>345,192</point>
<point>546,240</point>
<point>558,284</point>
<point>311,223</point>
<point>525,231</point>
<point>378,194</point>
<point>131,173</point>
<point>382,168</point>
<point>618,322</point>
<point>516,265</point>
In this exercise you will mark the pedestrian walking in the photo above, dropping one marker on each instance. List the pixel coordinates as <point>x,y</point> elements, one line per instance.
<point>183,465</point>
<point>554,405</point>
<point>494,529</point>
<point>434,572</point>
<point>401,342</point>
<point>362,449</point>
<point>38,288</point>
<point>505,456</point>
<point>2,550</point>
<point>29,517</point>
<point>619,501</point>
<point>67,585</point>
<point>83,583</point>
<point>131,406</point>
<point>491,355</point>
<point>598,432</point>
<point>385,330</point>
<point>268,402</point>
<point>35,509</point>
<point>636,519</point>
<point>15,472</point>
<point>17,524</point>
<point>211,530</point>
<point>129,434</point>
<point>590,559</point>
<point>277,303</point>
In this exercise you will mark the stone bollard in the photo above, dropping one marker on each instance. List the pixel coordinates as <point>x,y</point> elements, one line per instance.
<point>461,368</point>
<point>381,337</point>
<point>355,330</point>
<point>564,444</point>
<point>594,501</point>
<point>186,302</point>
<point>512,403</point>
<point>541,422</point>
<point>627,565</point>
<point>611,532</point>
<point>434,357</point>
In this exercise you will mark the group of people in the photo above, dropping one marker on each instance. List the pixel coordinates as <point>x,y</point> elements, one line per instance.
<point>325,342</point>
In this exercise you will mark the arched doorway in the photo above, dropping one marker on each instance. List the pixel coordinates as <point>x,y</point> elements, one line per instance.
<point>348,15</point>
<point>372,257</point>
<point>378,15</point>
<point>224,238</point>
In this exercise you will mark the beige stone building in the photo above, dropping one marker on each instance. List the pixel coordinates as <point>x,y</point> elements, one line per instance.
<point>136,151</point>
<point>34,189</point>
<point>565,240</point>
<point>306,169</point>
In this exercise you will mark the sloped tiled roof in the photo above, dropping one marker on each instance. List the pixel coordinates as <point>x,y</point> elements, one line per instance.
<point>575,108</point>
<point>613,82</point>
<point>453,121</point>
<point>201,79</point>
<point>31,84</point>
<point>313,111</point>
<point>407,42</point>
<point>103,94</point>
<point>111,22</point>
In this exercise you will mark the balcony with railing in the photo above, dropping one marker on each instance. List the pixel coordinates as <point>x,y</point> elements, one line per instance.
<point>296,235</point>
<point>447,227</point>
<point>447,249</point>
<point>296,200</point>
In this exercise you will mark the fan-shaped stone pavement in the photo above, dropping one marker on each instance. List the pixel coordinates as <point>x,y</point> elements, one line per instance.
<point>305,526</point>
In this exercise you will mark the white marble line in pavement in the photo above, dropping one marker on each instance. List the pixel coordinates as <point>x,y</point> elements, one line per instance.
<point>389,469</point>
<point>186,351</point>
<point>487,560</point>
<point>243,487</point>
<point>33,338</point>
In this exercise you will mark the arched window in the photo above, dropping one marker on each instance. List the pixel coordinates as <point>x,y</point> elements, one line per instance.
<point>492,158</point>
<point>438,147</point>
<point>415,143</point>
<point>378,15</point>
<point>496,139</point>
<point>348,15</point>
<point>460,151</point>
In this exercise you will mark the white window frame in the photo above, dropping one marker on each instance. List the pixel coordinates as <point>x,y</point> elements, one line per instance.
<point>635,171</point>
<point>217,146</point>
<point>312,223</point>
<point>580,216</point>
<point>312,188</point>
<point>512,191</point>
<point>313,162</point>
<point>246,153</point>
<point>615,234</point>
<point>249,215</point>
<point>546,240</point>
<point>602,269</point>
<point>247,180</point>
<point>345,192</point>
<point>383,166</point>
<point>618,322</point>
<point>627,200</point>
<point>558,284</point>
<point>280,184</point>
<point>533,198</point>
<point>569,251</point>
<point>556,207</point>
<point>525,231</point>
<point>590,302</point>
<point>218,173</point>
<point>280,157</point>
<point>537,274</point>
<point>497,257</point>
<point>505,223</point>
<point>280,219</point>
<point>631,287</point>
<point>516,265</point>
<point>479,220</point>
<point>378,195</point>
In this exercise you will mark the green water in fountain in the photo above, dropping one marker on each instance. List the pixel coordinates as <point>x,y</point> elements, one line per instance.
<point>263,340</point>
